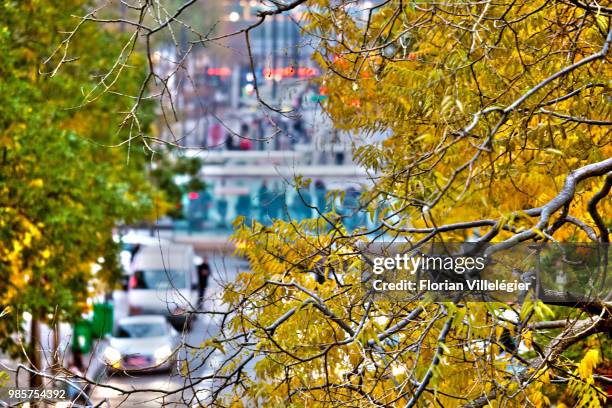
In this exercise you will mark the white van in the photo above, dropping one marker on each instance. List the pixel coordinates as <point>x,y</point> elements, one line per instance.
<point>163,280</point>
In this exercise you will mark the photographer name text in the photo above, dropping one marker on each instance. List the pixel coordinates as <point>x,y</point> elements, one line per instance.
<point>427,285</point>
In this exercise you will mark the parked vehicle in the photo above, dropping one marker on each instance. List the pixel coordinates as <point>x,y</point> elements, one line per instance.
<point>164,281</point>
<point>142,343</point>
<point>131,243</point>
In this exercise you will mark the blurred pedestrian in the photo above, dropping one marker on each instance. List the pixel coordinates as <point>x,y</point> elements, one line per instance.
<point>229,141</point>
<point>339,154</point>
<point>203,274</point>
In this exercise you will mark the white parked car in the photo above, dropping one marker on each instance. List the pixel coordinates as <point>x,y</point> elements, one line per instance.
<point>146,342</point>
<point>164,281</point>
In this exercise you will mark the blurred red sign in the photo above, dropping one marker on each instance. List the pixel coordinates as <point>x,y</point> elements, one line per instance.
<point>222,72</point>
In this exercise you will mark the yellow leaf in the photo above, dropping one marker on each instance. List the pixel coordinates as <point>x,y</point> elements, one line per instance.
<point>36,183</point>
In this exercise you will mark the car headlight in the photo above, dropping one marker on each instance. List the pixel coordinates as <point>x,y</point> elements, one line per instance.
<point>163,353</point>
<point>112,355</point>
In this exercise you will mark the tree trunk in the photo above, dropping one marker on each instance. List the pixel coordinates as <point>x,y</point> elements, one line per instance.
<point>34,357</point>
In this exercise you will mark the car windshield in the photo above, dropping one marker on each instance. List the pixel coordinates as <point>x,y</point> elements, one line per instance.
<point>140,330</point>
<point>158,279</point>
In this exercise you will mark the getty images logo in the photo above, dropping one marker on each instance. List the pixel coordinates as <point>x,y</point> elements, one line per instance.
<point>411,264</point>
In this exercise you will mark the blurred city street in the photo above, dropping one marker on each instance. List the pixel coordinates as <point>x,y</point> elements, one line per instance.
<point>204,327</point>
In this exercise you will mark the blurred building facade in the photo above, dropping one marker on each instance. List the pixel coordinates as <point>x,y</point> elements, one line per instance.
<point>251,154</point>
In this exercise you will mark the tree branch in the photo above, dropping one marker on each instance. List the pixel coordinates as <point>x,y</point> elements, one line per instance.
<point>592,207</point>
<point>571,335</point>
